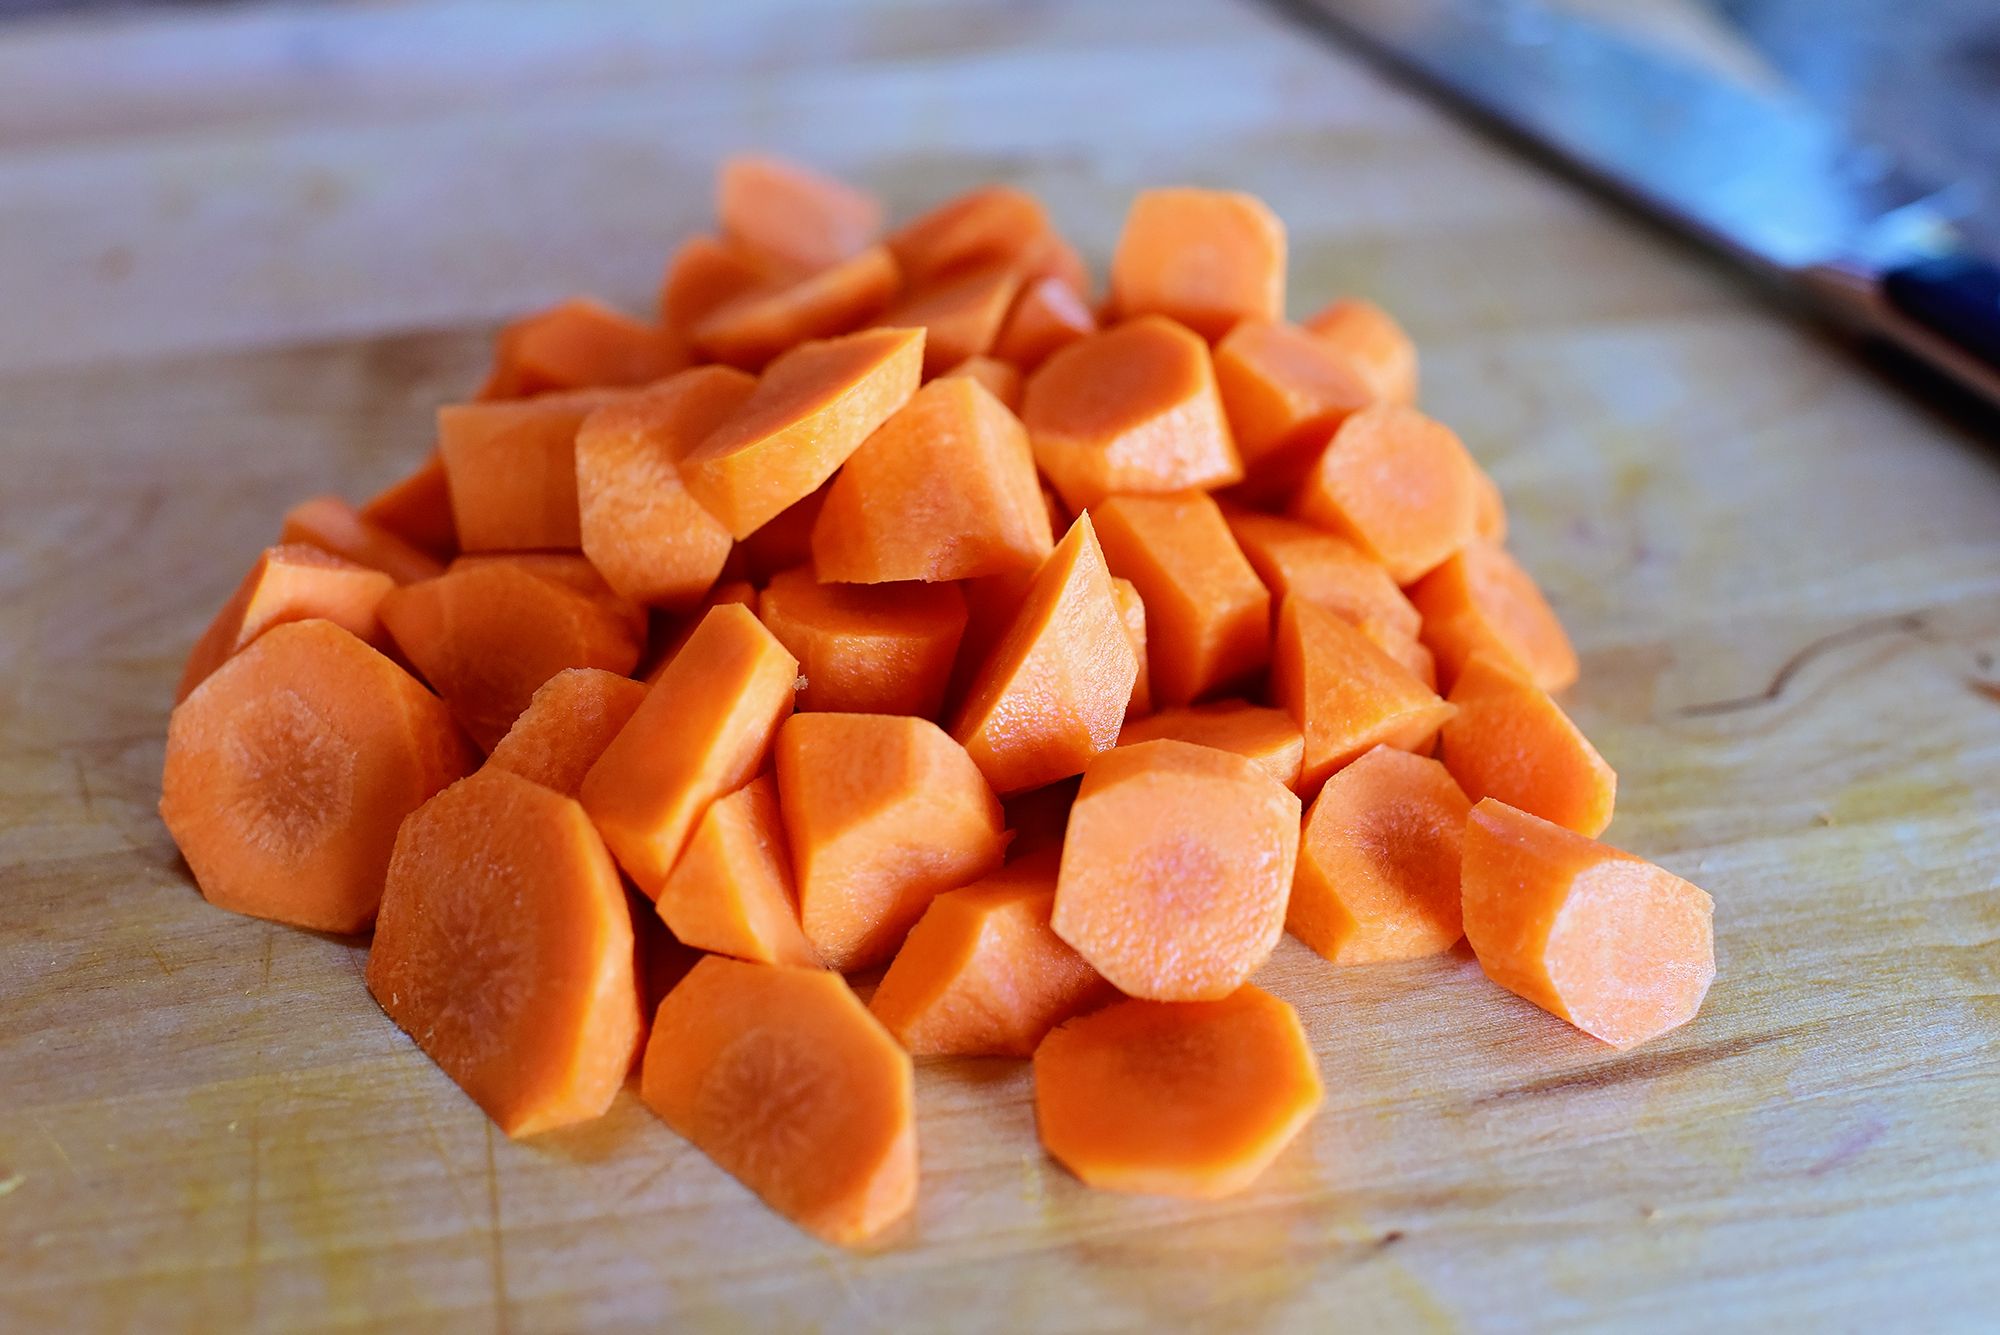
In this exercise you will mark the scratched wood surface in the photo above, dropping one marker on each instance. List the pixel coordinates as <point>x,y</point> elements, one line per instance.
<point>243,252</point>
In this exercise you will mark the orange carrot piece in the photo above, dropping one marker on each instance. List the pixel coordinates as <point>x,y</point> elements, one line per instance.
<point>1415,657</point>
<point>1620,948</point>
<point>945,489</point>
<point>505,951</point>
<point>1378,862</point>
<point>1175,869</point>
<point>993,224</point>
<point>1482,600</point>
<point>1132,610</point>
<point>750,330</point>
<point>1133,409</point>
<point>1048,314</point>
<point>792,214</point>
<point>569,721</point>
<point>784,1079</point>
<point>703,730</point>
<point>636,521</point>
<point>1054,689</point>
<point>731,890</point>
<point>1346,694</point>
<point>1371,341</point>
<point>1284,392</point>
<point>579,344</point>
<point>572,570</point>
<point>512,469</point>
<point>991,602</point>
<point>1510,740</point>
<point>289,768</point>
<point>332,525</point>
<point>960,314</point>
<point>1489,508</point>
<point>982,974</point>
<point>882,813</point>
<point>867,648</point>
<point>1396,484</point>
<point>417,509</point>
<point>783,542</point>
<point>289,583</point>
<point>1208,616</point>
<point>737,592</point>
<point>1189,1098</point>
<point>997,378</point>
<point>812,408</point>
<point>1206,258</point>
<point>1267,738</point>
<point>1296,558</point>
<point>707,273</point>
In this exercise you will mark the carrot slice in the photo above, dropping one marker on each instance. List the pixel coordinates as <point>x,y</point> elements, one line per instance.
<point>1048,314</point>
<point>883,812</point>
<point>512,469</point>
<point>731,891</point>
<point>1284,391</point>
<point>792,214</point>
<point>579,344</point>
<point>1371,341</point>
<point>783,542</point>
<point>1620,948</point>
<point>707,273</point>
<point>988,225</point>
<point>289,583</point>
<point>991,603</point>
<point>812,408</point>
<point>982,974</point>
<point>1208,616</point>
<point>1295,558</point>
<point>1053,691</point>
<point>703,730</point>
<point>572,570</point>
<point>750,330</point>
<point>674,635</point>
<point>997,378</point>
<point>1132,610</point>
<point>1346,694</point>
<point>867,648</point>
<point>417,509</point>
<point>1510,740</point>
<point>960,314</point>
<point>1482,600</point>
<point>1175,869</point>
<point>289,768</point>
<point>784,1079</point>
<point>332,525</point>
<point>945,489</point>
<point>1267,738</point>
<point>1133,409</point>
<point>1489,508</point>
<point>1378,862</point>
<point>569,721</point>
<point>505,951</point>
<point>650,539</point>
<point>1206,258</point>
<point>1190,1098</point>
<point>1415,657</point>
<point>1396,484</point>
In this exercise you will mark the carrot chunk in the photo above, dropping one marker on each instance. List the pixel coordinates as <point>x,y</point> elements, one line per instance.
<point>1620,948</point>
<point>1284,392</point>
<point>867,648</point>
<point>1482,600</point>
<point>812,408</point>
<point>703,730</point>
<point>1133,409</point>
<point>882,812</point>
<point>1297,559</point>
<point>731,891</point>
<point>750,330</point>
<point>288,583</point>
<point>512,469</point>
<point>945,489</point>
<point>993,224</point>
<point>1188,1098</point>
<point>1132,610</point>
<point>417,509</point>
<point>1267,738</point>
<point>332,525</point>
<point>672,635</point>
<point>572,570</point>
<point>1053,691</point>
<point>1378,862</point>
<point>1370,340</point>
<point>1489,508</point>
<point>569,721</point>
<point>636,521</point>
<point>783,1078</point>
<point>1206,258</point>
<point>1415,657</point>
<point>1048,314</point>
<point>1511,741</point>
<point>997,378</point>
<point>707,273</point>
<point>960,314</point>
<point>1175,869</point>
<point>289,768</point>
<point>792,214</point>
<point>1208,616</point>
<point>579,344</point>
<point>991,602</point>
<point>1396,484</point>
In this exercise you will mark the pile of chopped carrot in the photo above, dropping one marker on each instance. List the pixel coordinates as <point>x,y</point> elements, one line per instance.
<point>888,600</point>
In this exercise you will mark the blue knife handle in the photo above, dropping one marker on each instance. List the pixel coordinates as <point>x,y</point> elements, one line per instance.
<point>1956,297</point>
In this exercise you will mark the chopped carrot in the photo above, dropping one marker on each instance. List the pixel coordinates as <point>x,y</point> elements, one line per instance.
<point>731,890</point>
<point>867,648</point>
<point>289,768</point>
<point>982,974</point>
<point>1206,258</point>
<point>960,314</point>
<point>1284,391</point>
<point>650,539</point>
<point>945,489</point>
<point>703,730</point>
<point>783,542</point>
<point>1511,741</point>
<point>1053,691</point>
<point>882,812</point>
<point>794,215</point>
<point>1373,344</point>
<point>1132,610</point>
<point>989,225</point>
<point>671,633</point>
<point>707,273</point>
<point>1133,409</point>
<point>572,570</point>
<point>1268,738</point>
<point>512,469</point>
<point>1489,509</point>
<point>569,721</point>
<point>1398,485</point>
<point>750,330</point>
<point>1296,558</point>
<point>505,950</point>
<point>991,602</point>
<point>289,583</point>
<point>1175,869</point>
<point>1378,862</point>
<point>1187,1098</point>
<point>1048,314</point>
<point>1208,616</point>
<point>784,1079</point>
<point>417,509</point>
<point>1620,948</point>
<point>812,408</point>
<point>1482,600</point>
<point>332,525</point>
<point>579,344</point>
<point>1404,647</point>
<point>997,378</point>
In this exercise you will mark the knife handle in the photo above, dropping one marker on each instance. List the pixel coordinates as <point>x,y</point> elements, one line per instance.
<point>1956,296</point>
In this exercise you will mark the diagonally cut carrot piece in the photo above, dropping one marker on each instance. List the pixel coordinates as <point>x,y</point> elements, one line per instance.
<point>289,583</point>
<point>1268,738</point>
<point>731,890</point>
<point>1509,740</point>
<point>1284,391</point>
<point>987,225</point>
<point>748,331</point>
<point>867,648</point>
<point>572,570</point>
<point>417,509</point>
<point>707,273</point>
<point>1132,610</point>
<point>671,634</point>
<point>1206,258</point>
<point>960,314</point>
<point>1047,315</point>
<point>793,215</point>
<point>998,378</point>
<point>579,344</point>
<point>332,525</point>
<point>1482,600</point>
<point>1296,558</point>
<point>1372,343</point>
<point>569,721</point>
<point>511,468</point>
<point>1396,484</point>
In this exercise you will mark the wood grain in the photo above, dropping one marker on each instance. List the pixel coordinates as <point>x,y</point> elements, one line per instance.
<point>248,250</point>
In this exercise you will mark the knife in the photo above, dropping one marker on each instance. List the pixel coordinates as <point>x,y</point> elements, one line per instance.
<point>1740,162</point>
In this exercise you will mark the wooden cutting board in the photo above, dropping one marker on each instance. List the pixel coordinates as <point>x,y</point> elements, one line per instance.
<point>244,252</point>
